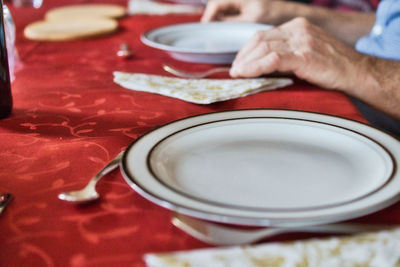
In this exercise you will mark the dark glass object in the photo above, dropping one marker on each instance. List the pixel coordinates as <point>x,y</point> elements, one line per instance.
<point>5,85</point>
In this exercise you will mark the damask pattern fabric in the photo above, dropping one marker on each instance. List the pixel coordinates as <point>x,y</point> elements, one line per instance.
<point>70,119</point>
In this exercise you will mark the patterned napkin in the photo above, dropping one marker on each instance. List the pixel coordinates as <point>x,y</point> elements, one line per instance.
<point>155,8</point>
<point>199,91</point>
<point>373,249</point>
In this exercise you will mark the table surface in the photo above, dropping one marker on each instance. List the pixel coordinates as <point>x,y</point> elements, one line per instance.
<point>70,119</point>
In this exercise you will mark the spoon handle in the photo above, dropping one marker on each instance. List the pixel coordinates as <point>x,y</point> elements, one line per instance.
<point>196,75</point>
<point>217,70</point>
<point>108,168</point>
<point>216,234</point>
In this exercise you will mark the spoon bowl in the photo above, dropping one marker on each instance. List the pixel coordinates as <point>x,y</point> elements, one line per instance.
<point>5,198</point>
<point>89,193</point>
<point>83,195</point>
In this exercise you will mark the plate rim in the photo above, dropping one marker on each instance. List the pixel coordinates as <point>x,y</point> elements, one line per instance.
<point>388,179</point>
<point>257,221</point>
<point>144,37</point>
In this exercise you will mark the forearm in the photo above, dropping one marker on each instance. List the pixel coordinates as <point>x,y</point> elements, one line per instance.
<point>345,26</point>
<point>377,84</point>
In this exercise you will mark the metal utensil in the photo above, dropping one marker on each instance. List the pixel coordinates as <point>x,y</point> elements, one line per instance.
<point>194,75</point>
<point>215,234</point>
<point>5,198</point>
<point>89,193</point>
<point>124,51</point>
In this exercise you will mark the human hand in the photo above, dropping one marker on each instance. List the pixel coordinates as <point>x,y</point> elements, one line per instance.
<point>266,11</point>
<point>303,49</point>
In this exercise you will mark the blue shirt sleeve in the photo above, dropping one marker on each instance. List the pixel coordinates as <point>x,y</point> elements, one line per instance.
<point>384,38</point>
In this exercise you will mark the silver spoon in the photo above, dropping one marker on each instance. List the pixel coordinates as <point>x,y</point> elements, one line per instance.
<point>124,51</point>
<point>215,234</point>
<point>5,198</point>
<point>89,193</point>
<point>194,75</point>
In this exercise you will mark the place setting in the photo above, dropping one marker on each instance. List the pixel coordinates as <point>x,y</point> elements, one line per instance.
<point>284,171</point>
<point>278,169</point>
<point>232,179</point>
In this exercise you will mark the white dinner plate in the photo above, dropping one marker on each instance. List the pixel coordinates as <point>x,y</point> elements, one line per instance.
<point>213,43</point>
<point>266,167</point>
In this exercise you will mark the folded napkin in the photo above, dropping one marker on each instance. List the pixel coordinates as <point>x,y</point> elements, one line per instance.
<point>154,8</point>
<point>199,91</point>
<point>373,249</point>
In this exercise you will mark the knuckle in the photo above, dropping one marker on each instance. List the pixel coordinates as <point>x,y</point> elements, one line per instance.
<point>275,59</point>
<point>305,55</point>
<point>264,47</point>
<point>302,26</point>
<point>301,22</point>
<point>258,36</point>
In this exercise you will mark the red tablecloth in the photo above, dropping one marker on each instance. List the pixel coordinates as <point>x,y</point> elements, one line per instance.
<point>70,119</point>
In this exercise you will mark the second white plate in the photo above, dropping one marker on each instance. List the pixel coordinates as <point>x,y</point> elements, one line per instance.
<point>213,43</point>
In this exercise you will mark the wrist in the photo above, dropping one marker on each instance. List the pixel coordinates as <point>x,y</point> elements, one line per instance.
<point>377,84</point>
<point>365,82</point>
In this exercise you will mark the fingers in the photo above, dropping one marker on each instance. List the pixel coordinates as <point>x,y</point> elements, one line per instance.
<point>272,62</point>
<point>218,8</point>
<point>248,47</point>
<point>260,50</point>
<point>257,38</point>
<point>210,12</point>
<point>267,64</point>
<point>266,52</point>
<point>300,48</point>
